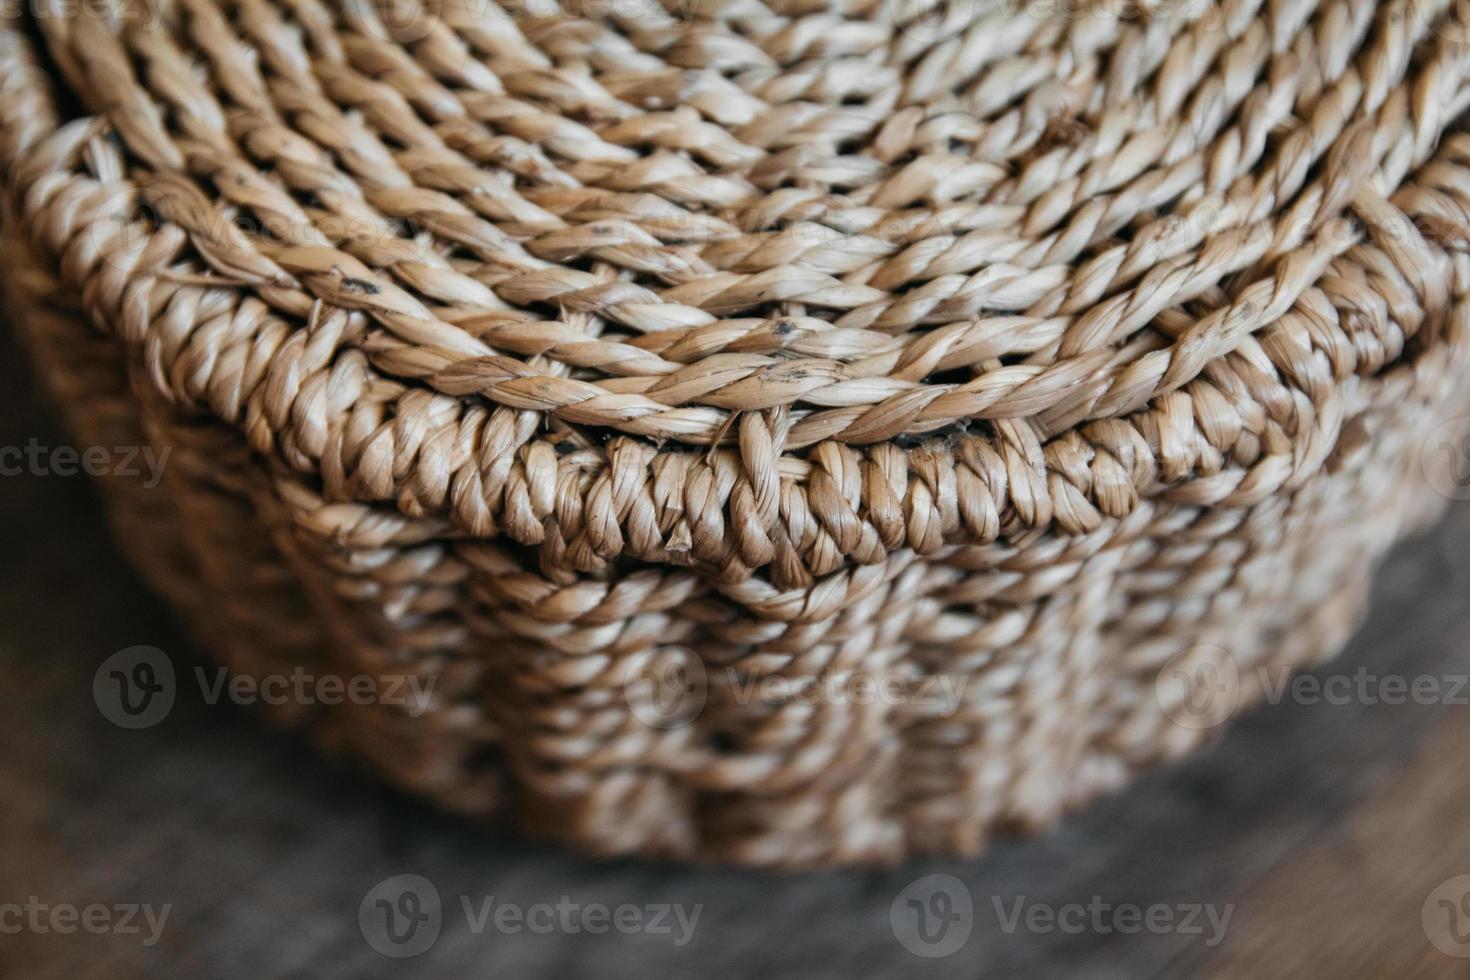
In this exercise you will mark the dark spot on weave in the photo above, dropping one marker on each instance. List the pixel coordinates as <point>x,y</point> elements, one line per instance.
<point>784,327</point>
<point>720,742</point>
<point>1064,131</point>
<point>945,434</point>
<point>1061,132</point>
<point>359,286</point>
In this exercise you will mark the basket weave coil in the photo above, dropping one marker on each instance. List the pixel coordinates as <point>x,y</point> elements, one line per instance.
<point>786,432</point>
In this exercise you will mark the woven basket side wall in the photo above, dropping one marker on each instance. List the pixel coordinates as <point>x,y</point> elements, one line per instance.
<point>1059,708</point>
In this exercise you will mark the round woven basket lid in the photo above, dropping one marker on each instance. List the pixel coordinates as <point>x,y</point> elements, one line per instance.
<point>789,284</point>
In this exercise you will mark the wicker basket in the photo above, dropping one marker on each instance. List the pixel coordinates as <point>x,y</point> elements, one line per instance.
<point>785,434</point>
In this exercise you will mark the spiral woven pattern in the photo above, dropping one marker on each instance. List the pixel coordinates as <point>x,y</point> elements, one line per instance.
<point>542,348</point>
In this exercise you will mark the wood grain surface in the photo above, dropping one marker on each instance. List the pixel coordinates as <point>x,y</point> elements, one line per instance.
<point>1330,830</point>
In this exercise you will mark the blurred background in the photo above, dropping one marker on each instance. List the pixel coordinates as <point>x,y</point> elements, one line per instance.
<point>1323,833</point>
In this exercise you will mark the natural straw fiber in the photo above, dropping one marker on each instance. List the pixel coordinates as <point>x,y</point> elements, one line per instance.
<point>911,391</point>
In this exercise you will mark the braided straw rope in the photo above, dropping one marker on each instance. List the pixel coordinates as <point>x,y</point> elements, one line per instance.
<point>535,347</point>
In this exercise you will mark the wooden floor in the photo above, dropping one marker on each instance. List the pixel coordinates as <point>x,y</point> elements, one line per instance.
<point>1330,833</point>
